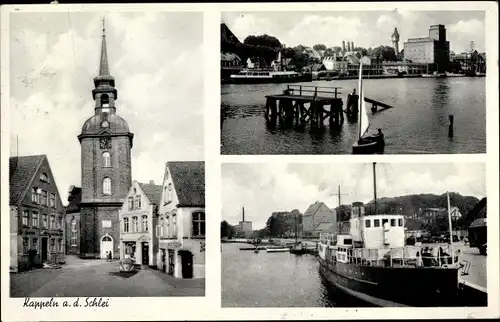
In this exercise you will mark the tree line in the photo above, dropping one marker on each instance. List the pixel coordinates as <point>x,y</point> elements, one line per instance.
<point>267,48</point>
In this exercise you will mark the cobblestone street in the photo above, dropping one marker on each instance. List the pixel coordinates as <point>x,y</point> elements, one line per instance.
<point>98,278</point>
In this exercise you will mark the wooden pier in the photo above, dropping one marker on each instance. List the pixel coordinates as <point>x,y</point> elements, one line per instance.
<point>307,103</point>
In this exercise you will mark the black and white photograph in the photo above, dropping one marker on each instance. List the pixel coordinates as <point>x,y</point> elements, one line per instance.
<point>353,82</point>
<point>354,235</point>
<point>106,168</point>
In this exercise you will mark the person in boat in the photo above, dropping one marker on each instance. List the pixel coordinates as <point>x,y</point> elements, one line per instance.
<point>352,102</point>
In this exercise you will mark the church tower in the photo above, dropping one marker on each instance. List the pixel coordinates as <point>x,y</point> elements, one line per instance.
<point>106,167</point>
<point>395,40</point>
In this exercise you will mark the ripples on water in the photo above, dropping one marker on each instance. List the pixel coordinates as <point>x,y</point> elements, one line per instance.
<point>275,280</point>
<point>418,123</point>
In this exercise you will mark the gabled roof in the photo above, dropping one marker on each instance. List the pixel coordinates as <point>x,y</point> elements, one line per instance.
<point>21,173</point>
<point>152,191</point>
<point>229,57</point>
<point>313,208</point>
<point>189,182</point>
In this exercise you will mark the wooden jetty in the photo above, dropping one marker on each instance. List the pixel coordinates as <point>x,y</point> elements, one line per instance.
<point>304,103</point>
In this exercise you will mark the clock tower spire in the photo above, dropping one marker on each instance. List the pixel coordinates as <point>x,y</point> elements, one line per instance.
<point>106,144</point>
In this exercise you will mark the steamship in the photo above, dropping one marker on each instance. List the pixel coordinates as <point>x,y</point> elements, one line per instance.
<point>372,263</point>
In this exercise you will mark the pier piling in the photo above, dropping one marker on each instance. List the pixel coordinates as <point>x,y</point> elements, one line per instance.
<point>450,126</point>
<point>292,105</point>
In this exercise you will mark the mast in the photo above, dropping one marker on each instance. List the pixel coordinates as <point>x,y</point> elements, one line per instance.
<point>375,187</point>
<point>295,229</point>
<point>451,229</point>
<point>339,196</point>
<point>360,98</point>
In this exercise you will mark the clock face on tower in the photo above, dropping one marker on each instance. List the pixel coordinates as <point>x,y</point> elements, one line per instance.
<point>105,143</point>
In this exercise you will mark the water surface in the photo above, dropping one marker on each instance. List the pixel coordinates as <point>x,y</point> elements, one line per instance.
<point>418,123</point>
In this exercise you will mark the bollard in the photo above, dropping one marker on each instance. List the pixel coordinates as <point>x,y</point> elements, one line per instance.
<point>450,125</point>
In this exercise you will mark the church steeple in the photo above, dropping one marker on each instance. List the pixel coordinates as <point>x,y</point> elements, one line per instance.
<point>105,92</point>
<point>104,67</point>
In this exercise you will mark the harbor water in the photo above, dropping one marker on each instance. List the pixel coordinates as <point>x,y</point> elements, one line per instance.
<point>418,123</point>
<point>285,280</point>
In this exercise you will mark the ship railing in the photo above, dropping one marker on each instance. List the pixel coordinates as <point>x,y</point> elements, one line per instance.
<point>402,257</point>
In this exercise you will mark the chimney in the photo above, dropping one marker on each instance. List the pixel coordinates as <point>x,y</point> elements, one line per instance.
<point>151,182</point>
<point>348,46</point>
<point>343,45</point>
<point>352,45</point>
<point>243,214</point>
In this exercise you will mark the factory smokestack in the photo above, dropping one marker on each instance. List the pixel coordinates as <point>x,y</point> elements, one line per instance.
<point>348,46</point>
<point>343,45</point>
<point>243,214</point>
<point>352,45</point>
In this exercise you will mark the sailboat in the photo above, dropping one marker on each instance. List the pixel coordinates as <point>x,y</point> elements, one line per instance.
<point>369,144</point>
<point>373,263</point>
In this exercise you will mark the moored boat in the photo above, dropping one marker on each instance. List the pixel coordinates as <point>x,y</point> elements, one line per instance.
<point>373,263</point>
<point>448,74</point>
<point>276,249</point>
<point>366,144</point>
<point>262,76</point>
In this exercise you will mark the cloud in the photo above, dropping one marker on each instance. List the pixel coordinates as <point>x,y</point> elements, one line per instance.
<point>265,188</point>
<point>328,30</point>
<point>249,24</point>
<point>158,73</point>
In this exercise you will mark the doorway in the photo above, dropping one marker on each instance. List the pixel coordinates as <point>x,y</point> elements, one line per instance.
<point>44,249</point>
<point>163,262</point>
<point>171,264</point>
<point>106,246</point>
<point>187,264</point>
<point>145,253</point>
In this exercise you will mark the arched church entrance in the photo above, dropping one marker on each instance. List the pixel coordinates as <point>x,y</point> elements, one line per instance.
<point>106,246</point>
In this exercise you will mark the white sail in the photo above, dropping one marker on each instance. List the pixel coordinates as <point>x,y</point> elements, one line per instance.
<point>363,113</point>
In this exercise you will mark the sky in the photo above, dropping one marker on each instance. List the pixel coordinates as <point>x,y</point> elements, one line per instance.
<point>364,28</point>
<point>263,188</point>
<point>156,59</point>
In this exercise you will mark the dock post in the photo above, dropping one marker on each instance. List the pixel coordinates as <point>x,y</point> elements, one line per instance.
<point>300,90</point>
<point>268,102</point>
<point>273,108</point>
<point>450,125</point>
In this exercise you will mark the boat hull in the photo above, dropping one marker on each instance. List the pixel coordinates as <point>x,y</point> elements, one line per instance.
<point>393,287</point>
<point>375,147</point>
<point>269,80</point>
<point>277,250</point>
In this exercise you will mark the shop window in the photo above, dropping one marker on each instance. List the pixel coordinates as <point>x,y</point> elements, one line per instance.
<point>26,245</point>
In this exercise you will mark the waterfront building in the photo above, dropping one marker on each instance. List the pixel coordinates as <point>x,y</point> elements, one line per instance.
<point>230,60</point>
<point>335,63</point>
<point>256,63</point>
<point>404,67</point>
<point>138,217</point>
<point>433,50</point>
<point>36,214</point>
<point>471,61</point>
<point>106,144</point>
<point>72,221</point>
<point>181,220</point>
<point>316,214</point>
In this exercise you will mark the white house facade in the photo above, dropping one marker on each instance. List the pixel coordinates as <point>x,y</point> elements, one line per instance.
<point>181,220</point>
<point>137,222</point>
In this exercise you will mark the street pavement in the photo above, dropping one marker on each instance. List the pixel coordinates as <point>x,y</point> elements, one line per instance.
<point>98,278</point>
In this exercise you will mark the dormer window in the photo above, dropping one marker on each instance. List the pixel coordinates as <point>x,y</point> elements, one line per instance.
<point>44,177</point>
